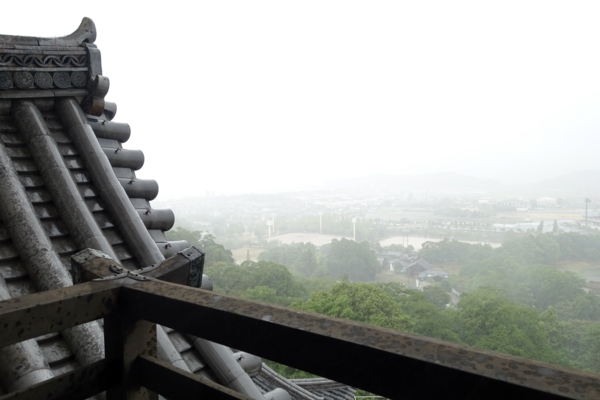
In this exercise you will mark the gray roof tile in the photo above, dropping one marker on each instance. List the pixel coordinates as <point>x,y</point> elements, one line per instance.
<point>54,222</point>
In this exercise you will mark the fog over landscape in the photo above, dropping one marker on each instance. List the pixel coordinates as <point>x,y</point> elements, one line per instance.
<point>428,167</point>
<point>273,96</point>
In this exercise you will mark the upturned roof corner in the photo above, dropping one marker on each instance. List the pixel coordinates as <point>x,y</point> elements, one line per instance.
<point>68,66</point>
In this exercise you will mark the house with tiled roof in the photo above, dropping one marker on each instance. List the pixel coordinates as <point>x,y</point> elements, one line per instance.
<point>417,267</point>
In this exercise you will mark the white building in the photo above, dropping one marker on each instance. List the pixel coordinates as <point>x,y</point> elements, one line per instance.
<point>546,201</point>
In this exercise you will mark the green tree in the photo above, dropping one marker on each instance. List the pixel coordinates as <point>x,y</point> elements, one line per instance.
<point>214,252</point>
<point>300,258</point>
<point>549,286</point>
<point>575,246</point>
<point>533,203</point>
<point>581,306</point>
<point>179,233</point>
<point>490,321</point>
<point>263,280</point>
<point>592,344</point>
<point>540,228</point>
<point>357,260</point>
<point>436,295</point>
<point>229,278</point>
<point>235,228</point>
<point>581,344</point>
<point>454,251</point>
<point>263,293</point>
<point>276,276</point>
<point>530,249</point>
<point>359,302</point>
<point>428,319</point>
<point>393,247</point>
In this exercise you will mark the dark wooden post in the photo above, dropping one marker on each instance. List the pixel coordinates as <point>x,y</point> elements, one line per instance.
<point>127,337</point>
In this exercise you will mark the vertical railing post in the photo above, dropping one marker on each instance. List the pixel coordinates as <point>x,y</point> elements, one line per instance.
<point>125,339</point>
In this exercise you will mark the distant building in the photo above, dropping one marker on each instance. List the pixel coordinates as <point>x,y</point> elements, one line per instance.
<point>437,275</point>
<point>516,203</point>
<point>397,260</point>
<point>417,267</point>
<point>580,201</point>
<point>546,201</point>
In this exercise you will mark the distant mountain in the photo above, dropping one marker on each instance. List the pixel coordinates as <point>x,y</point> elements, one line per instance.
<point>580,182</point>
<point>436,182</point>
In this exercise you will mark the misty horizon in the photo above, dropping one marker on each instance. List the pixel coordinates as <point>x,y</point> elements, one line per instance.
<point>585,182</point>
<point>281,97</point>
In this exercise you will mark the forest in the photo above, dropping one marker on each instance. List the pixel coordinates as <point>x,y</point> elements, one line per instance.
<point>514,299</point>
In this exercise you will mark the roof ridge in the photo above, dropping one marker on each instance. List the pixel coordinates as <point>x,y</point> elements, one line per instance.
<point>85,33</point>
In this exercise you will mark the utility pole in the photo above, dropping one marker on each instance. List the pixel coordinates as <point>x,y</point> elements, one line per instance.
<point>269,224</point>
<point>320,223</point>
<point>273,215</point>
<point>354,224</point>
<point>587,201</point>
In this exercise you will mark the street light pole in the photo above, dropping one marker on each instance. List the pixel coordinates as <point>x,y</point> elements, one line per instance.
<point>273,215</point>
<point>320,223</point>
<point>269,224</point>
<point>587,201</point>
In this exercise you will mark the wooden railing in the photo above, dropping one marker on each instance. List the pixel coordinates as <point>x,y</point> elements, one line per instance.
<point>385,362</point>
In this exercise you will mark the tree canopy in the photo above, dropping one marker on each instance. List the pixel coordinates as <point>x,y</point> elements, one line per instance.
<point>359,302</point>
<point>355,260</point>
<point>490,321</point>
<point>262,280</point>
<point>300,258</point>
<point>514,298</point>
<point>214,252</point>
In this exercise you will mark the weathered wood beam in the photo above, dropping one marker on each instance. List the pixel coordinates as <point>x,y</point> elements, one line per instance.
<point>173,383</point>
<point>81,383</point>
<point>383,361</point>
<point>41,313</point>
<point>184,267</point>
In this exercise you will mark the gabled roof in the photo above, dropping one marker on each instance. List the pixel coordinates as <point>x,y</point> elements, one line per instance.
<point>433,273</point>
<point>66,184</point>
<point>421,263</point>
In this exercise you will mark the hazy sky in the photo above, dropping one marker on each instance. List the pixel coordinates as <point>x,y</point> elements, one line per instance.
<point>240,96</point>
